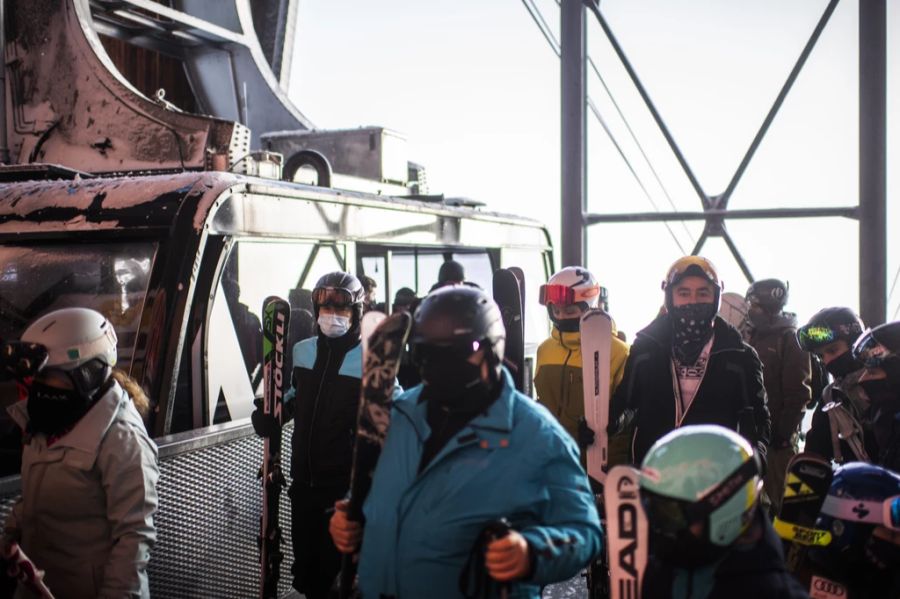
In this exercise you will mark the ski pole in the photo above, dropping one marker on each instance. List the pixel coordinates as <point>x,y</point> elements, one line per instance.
<point>495,530</point>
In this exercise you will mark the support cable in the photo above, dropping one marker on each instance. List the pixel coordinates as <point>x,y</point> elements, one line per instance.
<point>541,23</point>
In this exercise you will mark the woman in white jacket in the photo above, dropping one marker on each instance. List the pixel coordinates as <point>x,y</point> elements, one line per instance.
<point>89,469</point>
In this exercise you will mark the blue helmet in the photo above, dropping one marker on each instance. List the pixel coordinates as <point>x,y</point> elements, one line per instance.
<point>862,512</point>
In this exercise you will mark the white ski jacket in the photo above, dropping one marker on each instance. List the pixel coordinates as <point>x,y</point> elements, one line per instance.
<point>87,505</point>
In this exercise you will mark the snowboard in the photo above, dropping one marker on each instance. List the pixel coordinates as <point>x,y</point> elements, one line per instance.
<point>626,532</point>
<point>383,341</point>
<point>806,485</point>
<point>276,323</point>
<point>508,296</point>
<point>596,348</point>
<point>733,310</point>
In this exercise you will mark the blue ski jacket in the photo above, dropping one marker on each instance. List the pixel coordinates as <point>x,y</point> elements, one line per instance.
<point>513,461</point>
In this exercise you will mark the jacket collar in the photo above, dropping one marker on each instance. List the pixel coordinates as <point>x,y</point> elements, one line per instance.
<point>497,421</point>
<point>89,431</point>
<point>567,340</point>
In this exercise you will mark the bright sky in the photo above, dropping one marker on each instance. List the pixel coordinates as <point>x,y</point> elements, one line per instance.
<point>475,88</point>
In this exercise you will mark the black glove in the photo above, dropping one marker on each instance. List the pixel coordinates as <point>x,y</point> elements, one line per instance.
<point>586,434</point>
<point>265,425</point>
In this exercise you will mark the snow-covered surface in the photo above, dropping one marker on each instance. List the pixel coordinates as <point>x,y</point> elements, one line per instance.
<point>575,588</point>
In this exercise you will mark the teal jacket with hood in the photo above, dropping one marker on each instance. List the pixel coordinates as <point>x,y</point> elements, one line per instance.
<point>513,461</point>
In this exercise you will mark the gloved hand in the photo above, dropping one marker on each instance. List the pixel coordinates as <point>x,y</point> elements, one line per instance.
<point>619,424</point>
<point>586,434</point>
<point>265,425</point>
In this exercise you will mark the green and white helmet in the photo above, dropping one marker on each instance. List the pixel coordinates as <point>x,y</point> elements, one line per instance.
<point>699,488</point>
<point>74,336</point>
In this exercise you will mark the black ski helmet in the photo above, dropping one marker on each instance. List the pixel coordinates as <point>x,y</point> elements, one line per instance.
<point>339,288</point>
<point>771,294</point>
<point>829,325</point>
<point>459,315</point>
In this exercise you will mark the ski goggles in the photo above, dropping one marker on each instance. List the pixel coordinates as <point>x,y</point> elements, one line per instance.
<point>444,354</point>
<point>881,513</point>
<point>669,515</point>
<point>691,266</point>
<point>563,295</point>
<point>334,297</point>
<point>813,337</point>
<point>869,351</point>
<point>22,360</point>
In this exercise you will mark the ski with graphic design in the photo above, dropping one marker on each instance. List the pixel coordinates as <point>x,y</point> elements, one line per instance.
<point>626,532</point>
<point>806,486</point>
<point>276,324</point>
<point>20,567</point>
<point>596,348</point>
<point>507,294</point>
<point>383,341</point>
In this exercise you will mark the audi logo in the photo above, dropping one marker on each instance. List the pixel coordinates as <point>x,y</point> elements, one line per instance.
<point>828,586</point>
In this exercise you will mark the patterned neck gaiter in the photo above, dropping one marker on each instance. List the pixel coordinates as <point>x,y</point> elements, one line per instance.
<point>692,326</point>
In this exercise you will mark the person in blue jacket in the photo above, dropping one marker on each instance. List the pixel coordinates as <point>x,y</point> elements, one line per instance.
<point>464,450</point>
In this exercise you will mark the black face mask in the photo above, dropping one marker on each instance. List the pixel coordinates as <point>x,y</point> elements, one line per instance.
<point>843,365</point>
<point>53,411</point>
<point>692,326</point>
<point>685,550</point>
<point>456,385</point>
<point>880,390</point>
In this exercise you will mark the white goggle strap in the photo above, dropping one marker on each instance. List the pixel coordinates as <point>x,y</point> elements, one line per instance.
<point>870,512</point>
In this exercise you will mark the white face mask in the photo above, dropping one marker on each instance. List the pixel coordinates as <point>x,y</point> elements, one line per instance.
<point>333,325</point>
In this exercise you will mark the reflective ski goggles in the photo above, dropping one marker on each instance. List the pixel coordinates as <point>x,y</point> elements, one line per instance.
<point>668,515</point>
<point>882,513</point>
<point>869,351</point>
<point>452,353</point>
<point>813,337</point>
<point>563,295</point>
<point>691,266</point>
<point>22,360</point>
<point>334,297</point>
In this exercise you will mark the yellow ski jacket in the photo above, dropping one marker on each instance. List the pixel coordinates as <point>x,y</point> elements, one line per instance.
<point>557,378</point>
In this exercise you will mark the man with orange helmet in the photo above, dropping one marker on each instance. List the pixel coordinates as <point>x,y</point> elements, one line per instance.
<point>689,366</point>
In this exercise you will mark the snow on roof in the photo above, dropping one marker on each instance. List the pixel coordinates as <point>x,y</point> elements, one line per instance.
<point>102,203</point>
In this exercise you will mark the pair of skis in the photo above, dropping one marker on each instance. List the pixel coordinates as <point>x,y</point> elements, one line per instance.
<point>626,524</point>
<point>383,340</point>
<point>276,324</point>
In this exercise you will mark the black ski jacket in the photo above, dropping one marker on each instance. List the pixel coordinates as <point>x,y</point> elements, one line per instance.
<point>751,570</point>
<point>326,382</point>
<point>731,393</point>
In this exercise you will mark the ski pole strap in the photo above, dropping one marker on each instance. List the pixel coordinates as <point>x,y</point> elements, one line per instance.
<point>474,580</point>
<point>802,534</point>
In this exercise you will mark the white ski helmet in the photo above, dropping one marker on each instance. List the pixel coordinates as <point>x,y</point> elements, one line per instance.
<point>573,285</point>
<point>73,337</point>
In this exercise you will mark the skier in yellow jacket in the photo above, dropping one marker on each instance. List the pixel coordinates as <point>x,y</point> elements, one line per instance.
<point>567,295</point>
